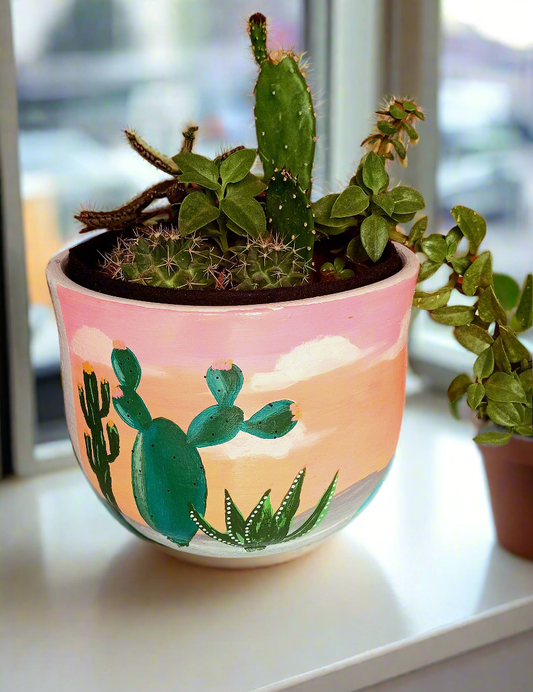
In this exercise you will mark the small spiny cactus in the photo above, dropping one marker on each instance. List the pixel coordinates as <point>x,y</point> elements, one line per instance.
<point>267,263</point>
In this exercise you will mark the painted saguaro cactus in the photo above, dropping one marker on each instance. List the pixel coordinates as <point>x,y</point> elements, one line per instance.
<point>94,402</point>
<point>265,527</point>
<point>167,471</point>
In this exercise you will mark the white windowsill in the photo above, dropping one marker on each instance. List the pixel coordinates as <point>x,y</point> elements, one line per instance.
<point>416,579</point>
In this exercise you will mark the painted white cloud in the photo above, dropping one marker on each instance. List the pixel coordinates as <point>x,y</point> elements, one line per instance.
<point>245,445</point>
<point>307,360</point>
<point>92,345</point>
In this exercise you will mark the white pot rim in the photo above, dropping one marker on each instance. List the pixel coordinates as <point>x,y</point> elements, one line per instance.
<point>55,272</point>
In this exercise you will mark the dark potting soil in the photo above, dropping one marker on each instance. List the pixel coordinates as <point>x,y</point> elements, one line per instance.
<point>83,269</point>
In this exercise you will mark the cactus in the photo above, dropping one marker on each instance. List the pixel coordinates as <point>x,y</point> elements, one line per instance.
<point>285,118</point>
<point>95,407</point>
<point>289,213</point>
<point>285,123</point>
<point>167,471</point>
<point>267,263</point>
<point>165,259</point>
<point>263,527</point>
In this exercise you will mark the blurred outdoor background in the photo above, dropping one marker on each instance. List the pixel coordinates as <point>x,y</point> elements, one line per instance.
<point>87,68</point>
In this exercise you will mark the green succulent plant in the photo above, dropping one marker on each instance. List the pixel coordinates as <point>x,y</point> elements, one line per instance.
<point>264,527</point>
<point>224,227</point>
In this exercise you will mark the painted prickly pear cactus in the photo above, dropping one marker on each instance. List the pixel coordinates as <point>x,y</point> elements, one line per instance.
<point>167,471</point>
<point>265,527</point>
<point>95,402</point>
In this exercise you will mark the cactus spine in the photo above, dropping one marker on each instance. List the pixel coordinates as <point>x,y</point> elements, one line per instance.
<point>95,407</point>
<point>167,472</point>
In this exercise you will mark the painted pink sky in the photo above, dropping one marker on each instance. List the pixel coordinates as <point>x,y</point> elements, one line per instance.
<point>254,338</point>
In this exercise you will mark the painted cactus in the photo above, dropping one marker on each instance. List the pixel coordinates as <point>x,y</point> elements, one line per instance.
<point>263,527</point>
<point>167,471</point>
<point>95,402</point>
<point>285,122</point>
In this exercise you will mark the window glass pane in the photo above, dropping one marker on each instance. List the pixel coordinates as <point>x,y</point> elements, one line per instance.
<point>485,105</point>
<point>86,69</point>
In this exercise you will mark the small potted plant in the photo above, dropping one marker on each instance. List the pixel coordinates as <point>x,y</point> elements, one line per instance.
<point>251,340</point>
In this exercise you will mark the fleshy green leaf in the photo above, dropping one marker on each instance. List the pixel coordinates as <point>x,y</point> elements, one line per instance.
<point>503,387</point>
<point>431,300</point>
<point>322,210</point>
<point>195,212</point>
<point>350,202</point>
<point>503,413</point>
<point>474,395</point>
<point>434,246</point>
<point>237,166</point>
<point>198,169</point>
<point>249,186</point>
<point>484,365</point>
<point>524,430</point>
<point>472,224</point>
<point>453,238</point>
<point>516,351</point>
<point>454,315</point>
<point>479,274</point>
<point>460,264</point>
<point>247,213</point>
<point>458,387</point>
<point>399,148</point>
<point>507,290</point>
<point>493,438</point>
<point>406,200</point>
<point>427,269</point>
<point>418,230</point>
<point>374,174</point>
<point>500,356</point>
<point>526,378</point>
<point>397,112</point>
<point>374,235</point>
<point>473,338</point>
<point>411,132</point>
<point>524,311</point>
<point>386,128</point>
<point>385,202</point>
<point>490,309</point>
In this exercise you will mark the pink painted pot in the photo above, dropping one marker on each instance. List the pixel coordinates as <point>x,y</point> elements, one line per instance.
<point>235,436</point>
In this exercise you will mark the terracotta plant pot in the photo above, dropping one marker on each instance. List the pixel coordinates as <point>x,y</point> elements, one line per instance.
<point>509,472</point>
<point>236,435</point>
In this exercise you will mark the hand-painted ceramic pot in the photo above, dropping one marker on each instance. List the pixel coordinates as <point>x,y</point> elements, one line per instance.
<point>235,436</point>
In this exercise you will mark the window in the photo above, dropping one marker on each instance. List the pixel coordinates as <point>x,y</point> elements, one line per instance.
<point>87,68</point>
<point>485,99</point>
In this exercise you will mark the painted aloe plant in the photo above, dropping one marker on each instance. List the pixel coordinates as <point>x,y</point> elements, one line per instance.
<point>264,527</point>
<point>167,471</point>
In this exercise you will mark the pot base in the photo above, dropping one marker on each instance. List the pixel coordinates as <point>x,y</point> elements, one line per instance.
<point>238,562</point>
